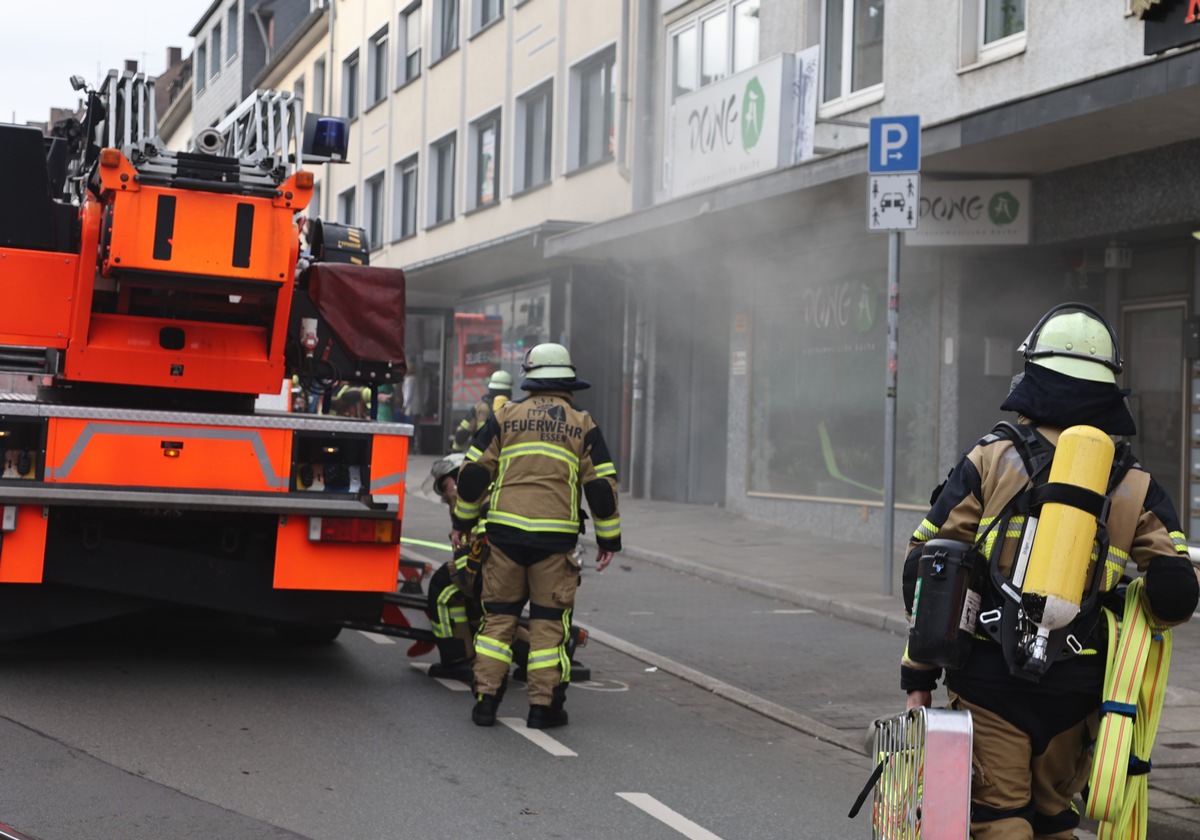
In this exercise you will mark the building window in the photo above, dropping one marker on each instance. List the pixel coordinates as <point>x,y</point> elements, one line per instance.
<point>722,38</point>
<point>594,83</point>
<point>404,199</point>
<point>350,86</point>
<point>410,36</point>
<point>1002,18</point>
<point>377,63</point>
<point>535,134</point>
<point>484,171</point>
<point>445,28</point>
<point>487,11</point>
<point>441,180</point>
<point>373,211</point>
<point>345,214</point>
<point>201,74</point>
<point>216,49</point>
<point>318,95</point>
<point>231,31</point>
<point>852,47</point>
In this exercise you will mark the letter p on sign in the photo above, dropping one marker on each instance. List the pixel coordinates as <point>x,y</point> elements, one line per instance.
<point>895,144</point>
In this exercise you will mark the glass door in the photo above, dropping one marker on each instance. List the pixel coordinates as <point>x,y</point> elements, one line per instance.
<point>1155,370</point>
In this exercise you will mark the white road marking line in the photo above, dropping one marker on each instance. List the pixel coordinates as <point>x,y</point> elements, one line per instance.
<point>453,685</point>
<point>538,737</point>
<point>641,612</point>
<point>791,612</point>
<point>378,638</point>
<point>663,814</point>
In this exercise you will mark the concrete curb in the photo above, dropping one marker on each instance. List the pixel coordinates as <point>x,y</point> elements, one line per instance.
<point>753,702</point>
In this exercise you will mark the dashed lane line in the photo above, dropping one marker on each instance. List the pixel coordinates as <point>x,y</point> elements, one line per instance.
<point>669,817</point>
<point>538,737</point>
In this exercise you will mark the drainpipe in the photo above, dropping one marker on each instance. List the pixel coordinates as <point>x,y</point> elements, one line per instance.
<point>643,151</point>
<point>623,111</point>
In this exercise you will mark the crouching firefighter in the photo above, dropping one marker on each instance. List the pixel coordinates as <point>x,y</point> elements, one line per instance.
<point>454,606</point>
<point>1007,579</point>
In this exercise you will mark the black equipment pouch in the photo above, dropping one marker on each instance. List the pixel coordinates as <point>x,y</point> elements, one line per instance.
<point>946,603</point>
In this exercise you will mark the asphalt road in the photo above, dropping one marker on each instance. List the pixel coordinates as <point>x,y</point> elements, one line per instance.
<point>189,727</point>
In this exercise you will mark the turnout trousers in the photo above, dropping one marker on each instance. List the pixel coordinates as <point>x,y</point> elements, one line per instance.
<point>1017,795</point>
<point>549,585</point>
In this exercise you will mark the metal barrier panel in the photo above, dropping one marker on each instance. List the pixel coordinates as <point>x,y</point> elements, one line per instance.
<point>924,790</point>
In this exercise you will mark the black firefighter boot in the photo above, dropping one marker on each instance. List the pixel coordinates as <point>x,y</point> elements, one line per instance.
<point>455,661</point>
<point>487,705</point>
<point>548,717</point>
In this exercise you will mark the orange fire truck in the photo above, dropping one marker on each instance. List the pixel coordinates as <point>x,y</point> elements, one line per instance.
<point>149,296</point>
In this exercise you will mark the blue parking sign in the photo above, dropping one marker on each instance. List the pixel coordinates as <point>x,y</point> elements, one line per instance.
<point>894,145</point>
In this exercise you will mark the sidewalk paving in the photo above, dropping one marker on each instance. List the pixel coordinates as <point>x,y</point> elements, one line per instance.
<point>845,579</point>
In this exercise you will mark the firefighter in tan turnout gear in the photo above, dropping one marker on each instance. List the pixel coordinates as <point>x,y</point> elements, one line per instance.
<point>1035,687</point>
<point>499,388</point>
<point>542,457</point>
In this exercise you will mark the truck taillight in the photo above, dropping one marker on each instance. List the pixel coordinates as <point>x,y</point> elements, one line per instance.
<point>342,529</point>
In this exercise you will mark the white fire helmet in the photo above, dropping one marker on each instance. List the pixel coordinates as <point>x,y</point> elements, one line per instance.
<point>1074,339</point>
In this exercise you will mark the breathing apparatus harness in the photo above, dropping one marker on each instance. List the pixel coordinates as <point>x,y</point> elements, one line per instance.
<point>1002,618</point>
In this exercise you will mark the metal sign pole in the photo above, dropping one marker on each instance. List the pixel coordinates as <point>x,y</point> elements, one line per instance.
<point>889,431</point>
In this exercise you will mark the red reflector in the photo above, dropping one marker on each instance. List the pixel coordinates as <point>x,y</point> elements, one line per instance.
<point>356,530</point>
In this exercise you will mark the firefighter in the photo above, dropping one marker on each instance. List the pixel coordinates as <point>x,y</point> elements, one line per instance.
<point>1033,731</point>
<point>499,389</point>
<point>543,454</point>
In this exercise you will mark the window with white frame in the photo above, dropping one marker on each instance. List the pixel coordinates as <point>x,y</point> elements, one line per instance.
<point>991,30</point>
<point>1001,18</point>
<point>231,31</point>
<point>216,49</point>
<point>484,165</point>
<point>445,28</point>
<point>318,91</point>
<point>852,47</point>
<point>373,204</point>
<point>345,208</point>
<point>377,67</point>
<point>718,40</point>
<point>350,86</point>
<point>408,67</point>
<point>534,140</point>
<point>486,11</point>
<point>404,199</point>
<point>441,179</point>
<point>594,90</point>
<point>200,71</point>
<point>298,88</point>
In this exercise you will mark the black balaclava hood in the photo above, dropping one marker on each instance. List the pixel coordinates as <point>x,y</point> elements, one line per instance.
<point>575,384</point>
<point>1055,399</point>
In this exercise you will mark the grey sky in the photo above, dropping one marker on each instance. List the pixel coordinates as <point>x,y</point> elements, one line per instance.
<point>42,44</point>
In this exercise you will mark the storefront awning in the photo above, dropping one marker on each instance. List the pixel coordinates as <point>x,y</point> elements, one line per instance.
<point>440,281</point>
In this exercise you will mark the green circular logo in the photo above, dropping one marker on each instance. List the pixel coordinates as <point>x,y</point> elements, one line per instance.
<point>1003,208</point>
<point>752,113</point>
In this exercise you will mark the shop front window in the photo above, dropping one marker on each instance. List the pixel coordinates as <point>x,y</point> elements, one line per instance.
<point>420,399</point>
<point>817,398</point>
<point>494,333</point>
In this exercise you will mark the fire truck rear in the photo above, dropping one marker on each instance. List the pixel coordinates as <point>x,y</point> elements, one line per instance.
<point>149,297</point>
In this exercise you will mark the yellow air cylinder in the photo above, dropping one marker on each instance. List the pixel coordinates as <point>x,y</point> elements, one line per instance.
<point>1062,546</point>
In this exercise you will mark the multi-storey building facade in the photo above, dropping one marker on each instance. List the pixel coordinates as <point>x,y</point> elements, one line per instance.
<point>1055,138</point>
<point>678,190</point>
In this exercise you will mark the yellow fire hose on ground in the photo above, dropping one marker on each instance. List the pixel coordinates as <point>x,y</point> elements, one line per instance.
<point>1134,687</point>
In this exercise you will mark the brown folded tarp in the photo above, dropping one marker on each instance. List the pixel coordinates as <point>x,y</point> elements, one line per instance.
<point>364,307</point>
